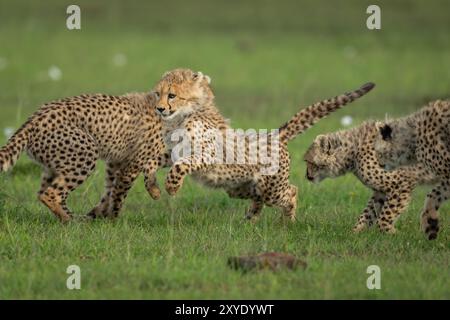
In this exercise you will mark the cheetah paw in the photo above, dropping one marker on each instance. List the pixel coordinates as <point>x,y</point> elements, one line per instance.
<point>154,192</point>
<point>292,218</point>
<point>252,218</point>
<point>389,230</point>
<point>65,219</point>
<point>172,189</point>
<point>359,228</point>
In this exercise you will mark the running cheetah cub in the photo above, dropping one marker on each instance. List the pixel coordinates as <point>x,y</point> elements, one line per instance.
<point>338,153</point>
<point>424,138</point>
<point>67,137</point>
<point>186,100</point>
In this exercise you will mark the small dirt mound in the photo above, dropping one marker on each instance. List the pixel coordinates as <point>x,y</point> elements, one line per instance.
<point>273,261</point>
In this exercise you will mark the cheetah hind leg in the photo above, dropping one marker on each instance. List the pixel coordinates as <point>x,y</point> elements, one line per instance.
<point>430,223</point>
<point>255,210</point>
<point>55,201</point>
<point>59,181</point>
<point>53,198</point>
<point>430,214</point>
<point>54,192</point>
<point>101,209</point>
<point>252,191</point>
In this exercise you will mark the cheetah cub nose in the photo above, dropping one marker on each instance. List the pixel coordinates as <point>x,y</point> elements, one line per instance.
<point>160,110</point>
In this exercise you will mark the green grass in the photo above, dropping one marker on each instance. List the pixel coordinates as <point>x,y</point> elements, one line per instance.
<point>265,60</point>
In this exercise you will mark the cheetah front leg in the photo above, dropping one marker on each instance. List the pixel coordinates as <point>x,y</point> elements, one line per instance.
<point>122,184</point>
<point>290,206</point>
<point>370,213</point>
<point>395,203</point>
<point>151,184</point>
<point>180,169</point>
<point>430,214</point>
<point>101,209</point>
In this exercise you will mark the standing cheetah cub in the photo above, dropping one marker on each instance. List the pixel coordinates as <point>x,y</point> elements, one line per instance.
<point>424,138</point>
<point>67,137</point>
<point>186,100</point>
<point>336,154</point>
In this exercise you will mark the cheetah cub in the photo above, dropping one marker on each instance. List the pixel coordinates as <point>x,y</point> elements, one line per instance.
<point>336,154</point>
<point>67,137</point>
<point>185,99</point>
<point>422,137</point>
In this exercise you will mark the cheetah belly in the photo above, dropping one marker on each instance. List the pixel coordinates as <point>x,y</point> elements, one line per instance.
<point>221,177</point>
<point>210,179</point>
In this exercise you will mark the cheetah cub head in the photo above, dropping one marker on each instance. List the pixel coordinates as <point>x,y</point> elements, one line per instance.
<point>395,144</point>
<point>181,92</point>
<point>328,156</point>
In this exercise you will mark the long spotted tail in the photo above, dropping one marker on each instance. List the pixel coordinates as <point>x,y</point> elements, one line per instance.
<point>12,150</point>
<point>307,117</point>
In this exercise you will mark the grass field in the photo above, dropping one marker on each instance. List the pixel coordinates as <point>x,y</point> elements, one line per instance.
<point>266,59</point>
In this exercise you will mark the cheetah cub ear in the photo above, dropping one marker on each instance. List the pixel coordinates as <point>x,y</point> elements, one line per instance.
<point>153,96</point>
<point>199,76</point>
<point>386,132</point>
<point>328,143</point>
<point>322,141</point>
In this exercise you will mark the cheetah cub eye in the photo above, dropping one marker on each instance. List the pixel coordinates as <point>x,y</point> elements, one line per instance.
<point>171,95</point>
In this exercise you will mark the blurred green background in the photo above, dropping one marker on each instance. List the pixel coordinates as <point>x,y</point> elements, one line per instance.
<point>266,59</point>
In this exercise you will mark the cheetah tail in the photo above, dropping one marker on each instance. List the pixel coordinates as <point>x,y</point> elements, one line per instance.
<point>12,150</point>
<point>307,117</point>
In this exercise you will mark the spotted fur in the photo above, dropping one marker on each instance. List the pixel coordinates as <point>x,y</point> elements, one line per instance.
<point>67,137</point>
<point>186,99</point>
<point>424,138</point>
<point>352,151</point>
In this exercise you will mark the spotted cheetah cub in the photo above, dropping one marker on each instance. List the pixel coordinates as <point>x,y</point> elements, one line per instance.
<point>336,154</point>
<point>67,137</point>
<point>424,138</point>
<point>185,100</point>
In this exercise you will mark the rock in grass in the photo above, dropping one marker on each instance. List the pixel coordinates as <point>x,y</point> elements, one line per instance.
<point>273,261</point>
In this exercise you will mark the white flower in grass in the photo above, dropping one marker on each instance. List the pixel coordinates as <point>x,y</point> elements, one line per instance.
<point>3,63</point>
<point>346,121</point>
<point>120,60</point>
<point>55,73</point>
<point>8,132</point>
